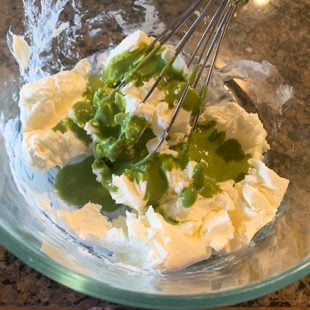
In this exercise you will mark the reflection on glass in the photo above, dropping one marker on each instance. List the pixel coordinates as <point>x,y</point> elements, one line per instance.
<point>261,2</point>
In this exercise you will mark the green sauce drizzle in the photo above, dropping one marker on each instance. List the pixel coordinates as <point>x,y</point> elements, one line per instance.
<point>77,185</point>
<point>120,140</point>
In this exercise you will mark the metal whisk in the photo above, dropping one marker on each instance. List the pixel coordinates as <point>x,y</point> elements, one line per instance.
<point>214,16</point>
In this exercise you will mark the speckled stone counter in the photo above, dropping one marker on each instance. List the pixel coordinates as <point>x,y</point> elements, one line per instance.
<point>285,30</point>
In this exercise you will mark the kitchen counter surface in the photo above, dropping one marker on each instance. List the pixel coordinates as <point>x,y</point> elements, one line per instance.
<point>20,285</point>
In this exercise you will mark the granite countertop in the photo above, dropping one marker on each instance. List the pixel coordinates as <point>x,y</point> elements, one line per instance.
<point>285,36</point>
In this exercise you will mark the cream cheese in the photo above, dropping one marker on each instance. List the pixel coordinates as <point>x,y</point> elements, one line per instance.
<point>130,43</point>
<point>146,241</point>
<point>45,149</point>
<point>221,224</point>
<point>175,236</point>
<point>21,51</point>
<point>237,123</point>
<point>43,104</point>
<point>129,193</point>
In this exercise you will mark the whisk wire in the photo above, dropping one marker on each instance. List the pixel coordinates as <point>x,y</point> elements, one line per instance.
<point>178,22</point>
<point>205,34</point>
<point>178,49</point>
<point>209,38</point>
<point>203,57</point>
<point>164,37</point>
<point>218,37</point>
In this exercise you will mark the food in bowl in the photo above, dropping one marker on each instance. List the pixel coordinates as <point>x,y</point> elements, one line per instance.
<point>202,192</point>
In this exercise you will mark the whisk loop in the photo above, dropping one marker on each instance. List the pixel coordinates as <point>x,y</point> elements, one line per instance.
<point>218,14</point>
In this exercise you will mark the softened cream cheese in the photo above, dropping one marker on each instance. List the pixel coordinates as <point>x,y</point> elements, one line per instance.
<point>172,235</point>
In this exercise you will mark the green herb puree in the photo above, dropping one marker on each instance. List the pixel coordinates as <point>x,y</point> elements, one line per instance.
<point>119,140</point>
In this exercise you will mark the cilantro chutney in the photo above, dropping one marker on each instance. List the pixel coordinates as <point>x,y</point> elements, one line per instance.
<point>217,160</point>
<point>119,140</point>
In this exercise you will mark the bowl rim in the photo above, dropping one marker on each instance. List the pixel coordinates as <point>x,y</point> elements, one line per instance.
<point>94,288</point>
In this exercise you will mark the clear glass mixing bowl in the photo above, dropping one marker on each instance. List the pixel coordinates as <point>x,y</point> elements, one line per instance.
<point>279,253</point>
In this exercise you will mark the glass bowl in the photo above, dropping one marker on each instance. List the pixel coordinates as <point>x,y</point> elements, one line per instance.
<point>258,73</point>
